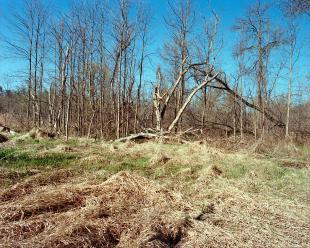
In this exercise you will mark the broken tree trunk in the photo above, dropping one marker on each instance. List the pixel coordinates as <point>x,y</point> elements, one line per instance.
<point>139,137</point>
<point>267,112</point>
<point>156,102</point>
<point>172,90</point>
<point>188,100</point>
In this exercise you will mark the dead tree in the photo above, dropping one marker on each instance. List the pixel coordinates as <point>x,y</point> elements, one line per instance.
<point>291,41</point>
<point>156,101</point>
<point>63,86</point>
<point>143,34</point>
<point>292,61</point>
<point>180,23</point>
<point>28,44</point>
<point>189,98</point>
<point>259,40</point>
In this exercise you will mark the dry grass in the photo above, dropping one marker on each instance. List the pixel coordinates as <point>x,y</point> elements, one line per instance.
<point>159,195</point>
<point>33,182</point>
<point>124,210</point>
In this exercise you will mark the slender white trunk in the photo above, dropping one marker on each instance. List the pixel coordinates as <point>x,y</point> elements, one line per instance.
<point>289,94</point>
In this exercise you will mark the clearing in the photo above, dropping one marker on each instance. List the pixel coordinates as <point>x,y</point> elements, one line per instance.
<point>84,193</point>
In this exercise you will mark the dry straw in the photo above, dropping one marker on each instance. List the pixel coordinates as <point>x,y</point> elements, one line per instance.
<point>55,209</point>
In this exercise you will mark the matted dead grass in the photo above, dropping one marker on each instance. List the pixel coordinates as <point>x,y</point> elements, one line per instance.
<point>207,198</point>
<point>124,210</point>
<point>131,211</point>
<point>33,183</point>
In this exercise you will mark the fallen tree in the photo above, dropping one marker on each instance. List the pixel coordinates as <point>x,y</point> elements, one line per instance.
<point>209,75</point>
<point>268,113</point>
<point>138,137</point>
<point>189,98</point>
<point>160,113</point>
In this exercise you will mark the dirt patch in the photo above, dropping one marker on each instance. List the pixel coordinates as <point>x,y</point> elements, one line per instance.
<point>3,138</point>
<point>215,171</point>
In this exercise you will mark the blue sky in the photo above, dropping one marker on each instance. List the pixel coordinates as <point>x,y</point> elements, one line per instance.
<point>228,11</point>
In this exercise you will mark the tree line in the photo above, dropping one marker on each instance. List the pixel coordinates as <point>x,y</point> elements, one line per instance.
<point>88,71</point>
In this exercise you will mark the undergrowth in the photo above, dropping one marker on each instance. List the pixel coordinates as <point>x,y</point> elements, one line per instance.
<point>84,193</point>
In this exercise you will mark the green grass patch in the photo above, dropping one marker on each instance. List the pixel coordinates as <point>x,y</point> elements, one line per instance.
<point>171,170</point>
<point>36,145</point>
<point>267,177</point>
<point>72,142</point>
<point>264,170</point>
<point>17,159</point>
<point>235,170</point>
<point>138,164</point>
<point>112,164</point>
<point>291,182</point>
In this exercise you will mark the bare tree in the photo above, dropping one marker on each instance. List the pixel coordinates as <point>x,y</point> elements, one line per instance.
<point>296,7</point>
<point>180,23</point>
<point>259,39</point>
<point>143,34</point>
<point>292,52</point>
<point>88,71</point>
<point>29,45</point>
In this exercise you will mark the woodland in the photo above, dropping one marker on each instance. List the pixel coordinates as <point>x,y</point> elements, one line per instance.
<point>91,72</point>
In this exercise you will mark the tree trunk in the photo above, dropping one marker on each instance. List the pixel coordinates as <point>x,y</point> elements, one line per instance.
<point>289,94</point>
<point>189,98</point>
